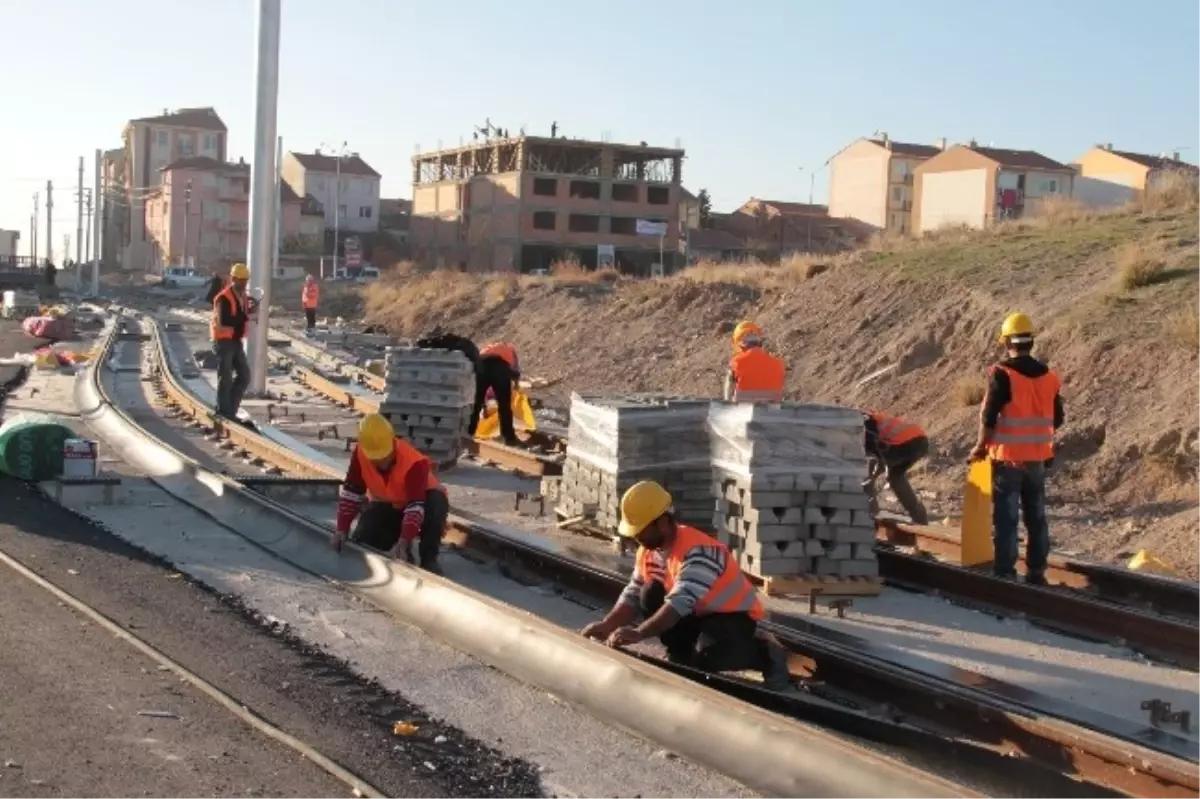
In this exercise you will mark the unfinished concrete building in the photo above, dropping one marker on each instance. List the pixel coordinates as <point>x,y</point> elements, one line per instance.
<point>521,203</point>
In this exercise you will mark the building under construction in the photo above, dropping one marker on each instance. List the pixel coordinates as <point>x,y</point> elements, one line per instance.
<point>520,203</point>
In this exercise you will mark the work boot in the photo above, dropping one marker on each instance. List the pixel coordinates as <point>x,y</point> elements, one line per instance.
<point>775,669</point>
<point>1035,579</point>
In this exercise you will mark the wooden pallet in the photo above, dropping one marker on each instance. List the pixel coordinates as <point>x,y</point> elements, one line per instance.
<point>825,585</point>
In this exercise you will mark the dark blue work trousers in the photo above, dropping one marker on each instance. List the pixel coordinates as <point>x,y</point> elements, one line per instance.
<point>1019,491</point>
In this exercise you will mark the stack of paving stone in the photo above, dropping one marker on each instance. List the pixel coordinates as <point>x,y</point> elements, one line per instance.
<point>788,484</point>
<point>613,442</point>
<point>428,399</point>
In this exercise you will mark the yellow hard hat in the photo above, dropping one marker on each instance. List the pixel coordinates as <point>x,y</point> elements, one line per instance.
<point>376,436</point>
<point>1017,324</point>
<point>642,504</point>
<point>745,329</point>
<point>240,272</point>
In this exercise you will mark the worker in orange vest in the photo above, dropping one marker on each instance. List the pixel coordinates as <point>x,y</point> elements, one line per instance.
<point>1021,412</point>
<point>499,368</point>
<point>404,500</point>
<point>232,310</point>
<point>308,298</point>
<point>894,446</point>
<point>754,375</point>
<point>693,596</point>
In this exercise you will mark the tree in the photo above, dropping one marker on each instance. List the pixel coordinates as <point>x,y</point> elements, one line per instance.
<point>704,201</point>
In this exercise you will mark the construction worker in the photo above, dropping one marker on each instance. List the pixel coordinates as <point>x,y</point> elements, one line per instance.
<point>1021,412</point>
<point>499,369</point>
<point>692,594</point>
<point>232,309</point>
<point>308,298</point>
<point>404,501</point>
<point>893,447</point>
<point>754,375</point>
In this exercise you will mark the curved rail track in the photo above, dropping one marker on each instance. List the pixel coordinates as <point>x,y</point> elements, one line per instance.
<point>887,697</point>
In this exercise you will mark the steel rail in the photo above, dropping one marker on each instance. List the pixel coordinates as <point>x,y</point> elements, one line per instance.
<point>1124,756</point>
<point>766,751</point>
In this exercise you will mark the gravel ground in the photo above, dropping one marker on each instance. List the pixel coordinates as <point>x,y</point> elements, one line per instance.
<point>59,670</point>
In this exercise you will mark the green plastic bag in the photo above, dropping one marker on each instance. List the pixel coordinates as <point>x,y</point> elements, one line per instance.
<point>31,447</point>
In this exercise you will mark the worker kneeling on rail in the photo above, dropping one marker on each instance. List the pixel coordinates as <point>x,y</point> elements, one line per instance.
<point>406,502</point>
<point>692,594</point>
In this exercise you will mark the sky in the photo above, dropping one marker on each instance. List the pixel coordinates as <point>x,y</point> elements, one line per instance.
<point>760,95</point>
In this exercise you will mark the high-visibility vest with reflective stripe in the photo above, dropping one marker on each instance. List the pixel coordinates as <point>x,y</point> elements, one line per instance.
<point>309,294</point>
<point>217,331</point>
<point>1025,428</point>
<point>892,431</point>
<point>758,376</point>
<point>731,593</point>
<point>501,350</point>
<point>390,488</point>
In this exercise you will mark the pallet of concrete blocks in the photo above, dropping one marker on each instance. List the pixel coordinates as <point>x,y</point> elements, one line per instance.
<point>614,442</point>
<point>790,502</point>
<point>428,398</point>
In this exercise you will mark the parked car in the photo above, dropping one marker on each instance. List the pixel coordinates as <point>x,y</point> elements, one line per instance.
<point>183,277</point>
<point>368,274</point>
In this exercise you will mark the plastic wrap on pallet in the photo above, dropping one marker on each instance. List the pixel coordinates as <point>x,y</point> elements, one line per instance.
<point>786,438</point>
<point>630,434</point>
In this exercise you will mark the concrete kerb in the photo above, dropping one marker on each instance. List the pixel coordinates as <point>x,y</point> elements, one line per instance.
<point>768,753</point>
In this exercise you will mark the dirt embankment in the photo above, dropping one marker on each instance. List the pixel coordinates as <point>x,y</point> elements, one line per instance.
<point>1114,297</point>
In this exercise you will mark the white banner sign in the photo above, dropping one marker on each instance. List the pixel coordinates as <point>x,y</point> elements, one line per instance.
<point>647,228</point>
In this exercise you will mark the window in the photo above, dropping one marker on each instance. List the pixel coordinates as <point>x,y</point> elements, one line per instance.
<point>186,145</point>
<point>342,211</point>
<point>898,193</point>
<point>1049,186</point>
<point>344,185</point>
<point>624,226</point>
<point>585,190</point>
<point>364,212</point>
<point>545,187</point>
<point>583,223</point>
<point>318,185</point>
<point>900,170</point>
<point>625,192</point>
<point>164,138</point>
<point>658,195</point>
<point>210,143</point>
<point>544,220</point>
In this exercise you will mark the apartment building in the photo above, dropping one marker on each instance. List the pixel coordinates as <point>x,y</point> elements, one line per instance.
<point>523,202</point>
<point>200,213</point>
<point>151,143</point>
<point>871,180</point>
<point>978,186</point>
<point>1106,177</point>
<point>347,183</point>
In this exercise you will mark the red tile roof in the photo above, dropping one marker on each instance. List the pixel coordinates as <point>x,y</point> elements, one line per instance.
<point>1021,159</point>
<point>204,164</point>
<point>206,118</point>
<point>908,148</point>
<point>319,162</point>
<point>1156,161</point>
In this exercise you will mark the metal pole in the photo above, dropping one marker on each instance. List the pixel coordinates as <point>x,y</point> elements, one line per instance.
<point>337,207</point>
<point>34,244</point>
<point>262,178</point>
<point>278,207</point>
<point>87,239</point>
<point>79,227</point>
<point>50,221</point>
<point>187,211</point>
<point>96,229</point>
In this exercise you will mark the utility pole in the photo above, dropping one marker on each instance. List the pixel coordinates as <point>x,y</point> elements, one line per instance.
<point>79,226</point>
<point>337,203</point>
<point>278,237</point>
<point>187,212</point>
<point>262,180</point>
<point>96,229</point>
<point>33,244</point>
<point>50,221</point>
<point>87,240</point>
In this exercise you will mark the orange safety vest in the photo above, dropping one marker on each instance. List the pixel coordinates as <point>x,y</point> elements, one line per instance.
<point>309,294</point>
<point>390,488</point>
<point>758,376</point>
<point>892,431</point>
<point>731,593</point>
<point>1025,429</point>
<point>498,349</point>
<point>217,331</point>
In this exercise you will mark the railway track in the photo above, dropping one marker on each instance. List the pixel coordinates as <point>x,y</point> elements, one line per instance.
<point>1103,751</point>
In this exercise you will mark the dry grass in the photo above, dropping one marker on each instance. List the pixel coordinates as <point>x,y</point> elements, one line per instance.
<point>1140,263</point>
<point>1184,328</point>
<point>969,391</point>
<point>571,272</point>
<point>1171,191</point>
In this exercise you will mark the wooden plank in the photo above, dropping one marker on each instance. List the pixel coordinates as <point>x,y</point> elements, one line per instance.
<point>825,585</point>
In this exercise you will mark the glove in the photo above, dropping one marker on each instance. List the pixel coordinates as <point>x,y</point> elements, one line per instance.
<point>410,525</point>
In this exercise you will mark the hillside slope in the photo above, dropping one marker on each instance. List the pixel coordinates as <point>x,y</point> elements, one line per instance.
<point>1114,297</point>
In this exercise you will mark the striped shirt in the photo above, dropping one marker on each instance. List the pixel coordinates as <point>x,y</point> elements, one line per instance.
<point>700,570</point>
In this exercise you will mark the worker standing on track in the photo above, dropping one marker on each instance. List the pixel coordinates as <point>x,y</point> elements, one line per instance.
<point>499,369</point>
<point>406,501</point>
<point>1021,412</point>
<point>692,594</point>
<point>754,375</point>
<point>308,298</point>
<point>894,446</point>
<point>231,311</point>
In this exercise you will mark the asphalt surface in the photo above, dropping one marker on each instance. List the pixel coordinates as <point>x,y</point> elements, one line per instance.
<point>310,695</point>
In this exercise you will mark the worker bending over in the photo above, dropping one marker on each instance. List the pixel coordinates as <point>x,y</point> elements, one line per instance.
<point>754,375</point>
<point>694,598</point>
<point>308,298</point>
<point>894,446</point>
<point>231,311</point>
<point>1021,412</point>
<point>404,501</point>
